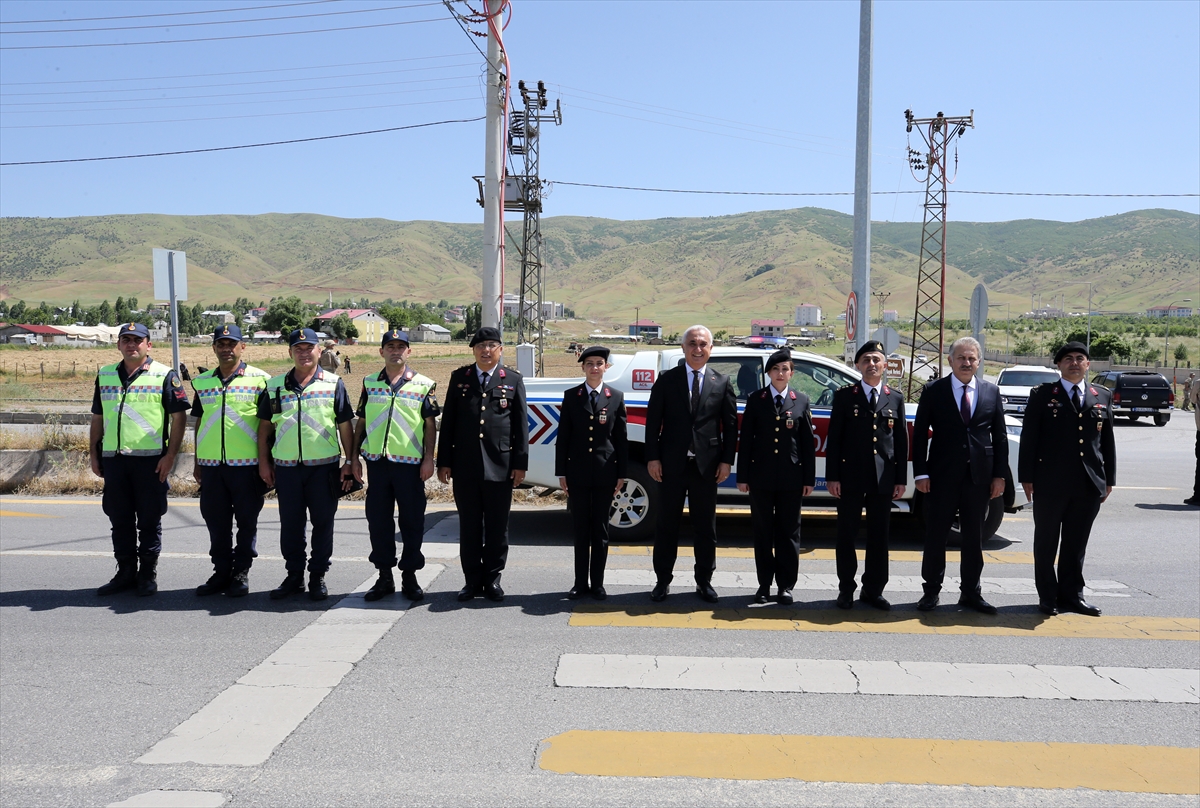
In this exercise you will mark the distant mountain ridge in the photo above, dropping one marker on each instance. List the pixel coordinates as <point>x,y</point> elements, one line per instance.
<point>722,269</point>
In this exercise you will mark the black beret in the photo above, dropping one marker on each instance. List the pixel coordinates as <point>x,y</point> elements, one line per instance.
<point>780,356</point>
<point>595,350</point>
<point>485,334</point>
<point>871,346</point>
<point>1071,347</point>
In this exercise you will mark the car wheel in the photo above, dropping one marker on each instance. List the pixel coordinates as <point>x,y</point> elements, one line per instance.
<point>635,507</point>
<point>1161,420</point>
<point>1133,418</point>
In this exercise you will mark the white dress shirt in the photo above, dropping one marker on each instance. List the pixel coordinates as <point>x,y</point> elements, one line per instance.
<point>690,371</point>
<point>958,388</point>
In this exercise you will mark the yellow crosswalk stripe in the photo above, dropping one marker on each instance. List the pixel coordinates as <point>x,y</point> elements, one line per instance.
<point>917,761</point>
<point>27,515</point>
<point>1106,627</point>
<point>824,554</point>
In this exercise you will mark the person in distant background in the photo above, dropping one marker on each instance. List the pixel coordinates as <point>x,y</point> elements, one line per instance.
<point>1188,385</point>
<point>1194,400</point>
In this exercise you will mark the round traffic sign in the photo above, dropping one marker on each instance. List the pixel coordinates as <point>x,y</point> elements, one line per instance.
<point>851,316</point>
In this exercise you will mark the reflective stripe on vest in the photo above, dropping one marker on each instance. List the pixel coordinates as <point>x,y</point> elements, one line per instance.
<point>306,425</point>
<point>228,429</point>
<point>395,428</point>
<point>134,417</point>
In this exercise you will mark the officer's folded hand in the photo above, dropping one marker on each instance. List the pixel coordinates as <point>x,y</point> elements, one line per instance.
<point>808,489</point>
<point>96,469</point>
<point>356,469</point>
<point>898,491</point>
<point>426,468</point>
<point>744,487</point>
<point>165,464</point>
<point>834,487</point>
<point>518,476</point>
<point>267,472</point>
<point>444,475</point>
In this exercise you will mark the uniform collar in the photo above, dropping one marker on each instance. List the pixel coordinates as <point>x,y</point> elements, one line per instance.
<point>404,377</point>
<point>958,386</point>
<point>866,388</point>
<point>775,392</point>
<point>591,389</point>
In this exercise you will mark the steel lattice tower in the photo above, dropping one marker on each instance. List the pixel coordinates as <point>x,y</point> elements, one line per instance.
<point>929,315</point>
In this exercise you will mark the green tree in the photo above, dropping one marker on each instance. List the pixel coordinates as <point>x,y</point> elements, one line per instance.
<point>474,318</point>
<point>1026,346</point>
<point>1181,352</point>
<point>720,335</point>
<point>105,314</point>
<point>16,311</point>
<point>339,325</point>
<point>352,331</point>
<point>287,314</point>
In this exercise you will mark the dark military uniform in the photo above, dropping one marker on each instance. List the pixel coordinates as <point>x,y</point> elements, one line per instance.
<point>867,452</point>
<point>592,453</point>
<point>1070,456</point>
<point>777,459</point>
<point>484,438</point>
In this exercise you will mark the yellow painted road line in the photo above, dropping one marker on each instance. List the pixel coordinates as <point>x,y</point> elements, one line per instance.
<point>952,556</point>
<point>915,761</point>
<point>27,515</point>
<point>946,621</point>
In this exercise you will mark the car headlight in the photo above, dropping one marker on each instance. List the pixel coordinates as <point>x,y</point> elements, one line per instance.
<point>1012,430</point>
<point>1003,399</point>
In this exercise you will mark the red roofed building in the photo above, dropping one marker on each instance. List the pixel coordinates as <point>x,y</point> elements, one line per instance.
<point>766,328</point>
<point>369,323</point>
<point>33,334</point>
<point>647,329</point>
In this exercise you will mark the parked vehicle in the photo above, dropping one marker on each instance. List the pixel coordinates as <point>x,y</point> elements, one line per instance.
<point>633,512</point>
<point>1015,383</point>
<point>1139,393</point>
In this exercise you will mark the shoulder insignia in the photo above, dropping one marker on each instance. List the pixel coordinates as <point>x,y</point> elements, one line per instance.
<point>607,393</point>
<point>175,381</point>
<point>1056,389</point>
<point>764,393</point>
<point>408,374</point>
<point>579,392</point>
<point>501,373</point>
<point>1093,389</point>
<point>887,390</point>
<point>792,394</point>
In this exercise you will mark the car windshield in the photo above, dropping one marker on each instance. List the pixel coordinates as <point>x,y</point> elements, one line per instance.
<point>818,381</point>
<point>1026,378</point>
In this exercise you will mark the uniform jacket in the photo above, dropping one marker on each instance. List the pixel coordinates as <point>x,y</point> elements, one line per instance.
<point>777,451</point>
<point>671,426</point>
<point>866,447</point>
<point>592,448</point>
<point>1057,441</point>
<point>984,443</point>
<point>485,433</point>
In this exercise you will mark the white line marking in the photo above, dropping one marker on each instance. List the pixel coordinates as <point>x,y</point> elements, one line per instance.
<point>888,678</point>
<point>172,799</point>
<point>243,725</point>
<point>430,549</point>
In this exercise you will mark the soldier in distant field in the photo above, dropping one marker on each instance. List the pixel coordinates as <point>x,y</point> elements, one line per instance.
<point>866,463</point>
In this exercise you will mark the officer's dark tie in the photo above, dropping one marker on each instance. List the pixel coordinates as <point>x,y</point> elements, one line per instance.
<point>483,381</point>
<point>874,399</point>
<point>778,404</point>
<point>595,397</point>
<point>965,406</point>
<point>695,389</point>
<point>1077,400</point>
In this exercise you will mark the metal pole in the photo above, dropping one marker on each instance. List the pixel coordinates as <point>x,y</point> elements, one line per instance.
<point>860,281</point>
<point>493,191</point>
<point>174,310</point>
<point>1089,332</point>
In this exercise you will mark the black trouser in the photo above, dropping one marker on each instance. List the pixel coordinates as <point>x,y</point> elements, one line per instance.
<point>226,493</point>
<point>700,491</point>
<point>1067,509</point>
<point>483,508</point>
<point>589,512</point>
<point>946,498</point>
<point>135,502</point>
<point>306,492</point>
<point>1196,486</point>
<point>393,486</point>
<point>775,516</point>
<point>878,502</point>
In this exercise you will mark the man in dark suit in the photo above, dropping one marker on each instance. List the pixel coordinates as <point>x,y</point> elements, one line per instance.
<point>866,462</point>
<point>691,440</point>
<point>1069,458</point>
<point>590,458</point>
<point>960,472</point>
<point>777,467</point>
<point>485,459</point>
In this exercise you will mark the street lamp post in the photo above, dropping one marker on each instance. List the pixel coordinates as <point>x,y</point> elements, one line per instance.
<point>1167,330</point>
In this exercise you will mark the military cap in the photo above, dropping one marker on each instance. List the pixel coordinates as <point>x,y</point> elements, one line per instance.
<point>303,335</point>
<point>133,329</point>
<point>394,335</point>
<point>779,357</point>
<point>1070,347</point>
<point>485,334</point>
<point>871,346</point>
<point>595,350</point>
<point>227,332</point>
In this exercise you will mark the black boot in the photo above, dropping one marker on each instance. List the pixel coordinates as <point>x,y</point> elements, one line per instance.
<point>385,584</point>
<point>217,582</point>
<point>147,576</point>
<point>409,586</point>
<point>126,577</point>
<point>293,583</point>
<point>239,584</point>
<point>316,587</point>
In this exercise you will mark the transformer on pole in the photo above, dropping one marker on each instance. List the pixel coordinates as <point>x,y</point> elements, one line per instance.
<point>929,314</point>
<point>524,192</point>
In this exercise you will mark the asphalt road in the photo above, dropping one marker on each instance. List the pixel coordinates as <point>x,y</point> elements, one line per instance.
<point>106,701</point>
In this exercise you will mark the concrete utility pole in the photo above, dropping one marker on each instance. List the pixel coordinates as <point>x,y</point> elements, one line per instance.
<point>493,187</point>
<point>860,279</point>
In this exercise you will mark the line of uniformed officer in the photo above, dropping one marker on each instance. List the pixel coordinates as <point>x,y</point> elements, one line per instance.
<point>591,454</point>
<point>777,467</point>
<point>139,414</point>
<point>396,434</point>
<point>302,414</point>
<point>866,463</point>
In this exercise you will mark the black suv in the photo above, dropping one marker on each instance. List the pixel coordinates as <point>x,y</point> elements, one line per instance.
<point>1139,392</point>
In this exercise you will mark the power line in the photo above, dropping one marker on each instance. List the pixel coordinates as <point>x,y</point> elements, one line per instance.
<point>246,146</point>
<point>851,193</point>
<point>168,13</point>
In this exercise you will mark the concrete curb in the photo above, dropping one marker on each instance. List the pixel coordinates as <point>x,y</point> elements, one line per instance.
<point>19,467</point>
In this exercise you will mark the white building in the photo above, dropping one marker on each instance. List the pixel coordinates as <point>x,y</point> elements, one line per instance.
<point>428,332</point>
<point>1169,311</point>
<point>890,315</point>
<point>766,328</point>
<point>808,314</point>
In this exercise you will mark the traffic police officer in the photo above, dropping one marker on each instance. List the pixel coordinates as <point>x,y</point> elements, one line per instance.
<point>139,414</point>
<point>226,412</point>
<point>590,458</point>
<point>396,433</point>
<point>305,411</point>
<point>777,466</point>
<point>1067,466</point>
<point>866,461</point>
<point>486,460</point>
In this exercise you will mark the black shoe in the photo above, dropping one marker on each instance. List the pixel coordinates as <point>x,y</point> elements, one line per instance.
<point>576,593</point>
<point>239,585</point>
<point>466,593</point>
<point>785,597</point>
<point>409,586</point>
<point>316,587</point>
<point>974,600</point>
<point>763,594</point>
<point>218,582</point>
<point>707,593</point>
<point>878,601</point>
<point>660,591</point>
<point>147,576</point>
<point>1079,606</point>
<point>928,603</point>
<point>598,593</point>
<point>845,600</point>
<point>293,583</point>
<point>1047,607</point>
<point>385,584</point>
<point>126,577</point>
<point>493,592</point>
<point>1193,501</point>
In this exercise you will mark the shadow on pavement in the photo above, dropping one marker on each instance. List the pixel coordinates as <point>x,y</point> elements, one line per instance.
<point>1165,506</point>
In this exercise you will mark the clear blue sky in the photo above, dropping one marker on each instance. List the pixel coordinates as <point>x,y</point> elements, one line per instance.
<point>1069,97</point>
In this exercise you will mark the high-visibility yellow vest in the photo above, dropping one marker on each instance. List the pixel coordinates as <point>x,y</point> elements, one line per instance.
<point>228,428</point>
<point>306,424</point>
<point>395,428</point>
<point>134,417</point>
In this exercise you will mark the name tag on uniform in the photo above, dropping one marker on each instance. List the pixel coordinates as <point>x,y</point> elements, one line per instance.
<point>790,422</point>
<point>891,423</point>
<point>504,403</point>
<point>604,415</point>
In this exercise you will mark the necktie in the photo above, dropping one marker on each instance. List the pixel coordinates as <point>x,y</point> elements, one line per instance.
<point>778,404</point>
<point>965,407</point>
<point>483,381</point>
<point>695,389</point>
<point>1077,400</point>
<point>595,397</point>
<point>874,399</point>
